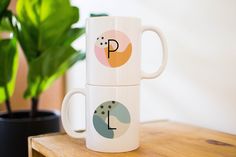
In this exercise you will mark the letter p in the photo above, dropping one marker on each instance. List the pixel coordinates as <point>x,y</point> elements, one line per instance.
<point>109,48</point>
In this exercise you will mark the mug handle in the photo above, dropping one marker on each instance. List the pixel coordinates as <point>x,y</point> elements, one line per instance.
<point>65,112</point>
<point>156,30</point>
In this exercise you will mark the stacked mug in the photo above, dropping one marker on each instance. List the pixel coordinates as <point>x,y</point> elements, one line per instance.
<point>113,61</point>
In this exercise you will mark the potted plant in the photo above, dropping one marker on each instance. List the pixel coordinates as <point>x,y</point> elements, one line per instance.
<point>44,31</point>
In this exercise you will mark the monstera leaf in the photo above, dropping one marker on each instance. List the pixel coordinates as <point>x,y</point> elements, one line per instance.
<point>8,68</point>
<point>45,35</point>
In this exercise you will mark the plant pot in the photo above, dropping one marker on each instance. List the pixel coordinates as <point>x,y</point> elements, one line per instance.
<point>14,131</point>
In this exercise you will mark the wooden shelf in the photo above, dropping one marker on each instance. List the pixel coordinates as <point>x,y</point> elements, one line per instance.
<point>158,139</point>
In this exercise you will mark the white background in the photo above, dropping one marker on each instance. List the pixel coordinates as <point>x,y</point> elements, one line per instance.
<point>199,83</point>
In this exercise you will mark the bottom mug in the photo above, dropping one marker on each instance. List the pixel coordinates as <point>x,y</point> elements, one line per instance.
<point>112,117</point>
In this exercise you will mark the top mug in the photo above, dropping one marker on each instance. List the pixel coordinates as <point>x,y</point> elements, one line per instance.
<point>113,46</point>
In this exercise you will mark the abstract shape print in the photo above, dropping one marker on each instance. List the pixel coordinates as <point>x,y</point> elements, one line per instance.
<point>111,119</point>
<point>113,48</point>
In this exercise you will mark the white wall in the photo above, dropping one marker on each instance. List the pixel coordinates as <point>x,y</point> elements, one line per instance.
<point>199,84</point>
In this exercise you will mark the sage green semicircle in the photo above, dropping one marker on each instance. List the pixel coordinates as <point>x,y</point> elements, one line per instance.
<point>101,127</point>
<point>121,113</point>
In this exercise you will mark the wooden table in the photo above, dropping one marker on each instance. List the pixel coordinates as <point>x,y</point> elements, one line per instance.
<point>158,139</point>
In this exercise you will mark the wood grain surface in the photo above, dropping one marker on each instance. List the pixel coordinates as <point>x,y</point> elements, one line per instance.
<point>158,139</point>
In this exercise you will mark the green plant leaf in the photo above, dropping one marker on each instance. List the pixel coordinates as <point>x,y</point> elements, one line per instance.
<point>98,14</point>
<point>5,25</point>
<point>45,35</point>
<point>71,35</point>
<point>42,70</point>
<point>3,6</point>
<point>44,24</point>
<point>8,67</point>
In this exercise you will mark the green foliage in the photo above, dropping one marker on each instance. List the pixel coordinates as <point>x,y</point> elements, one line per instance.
<point>45,35</point>
<point>8,68</point>
<point>3,6</point>
<point>5,25</point>
<point>98,15</point>
<point>8,54</point>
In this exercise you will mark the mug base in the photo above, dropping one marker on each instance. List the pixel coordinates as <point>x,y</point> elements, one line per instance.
<point>112,150</point>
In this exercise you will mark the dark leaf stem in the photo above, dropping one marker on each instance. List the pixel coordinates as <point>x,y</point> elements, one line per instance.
<point>35,102</point>
<point>7,101</point>
<point>34,107</point>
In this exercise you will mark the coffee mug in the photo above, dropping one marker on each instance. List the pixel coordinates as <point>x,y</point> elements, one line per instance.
<point>112,117</point>
<point>113,46</point>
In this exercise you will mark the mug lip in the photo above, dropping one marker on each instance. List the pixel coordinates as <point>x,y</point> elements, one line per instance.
<point>110,86</point>
<point>114,17</point>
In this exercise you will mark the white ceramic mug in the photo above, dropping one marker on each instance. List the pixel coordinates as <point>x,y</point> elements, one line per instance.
<point>112,117</point>
<point>113,46</point>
